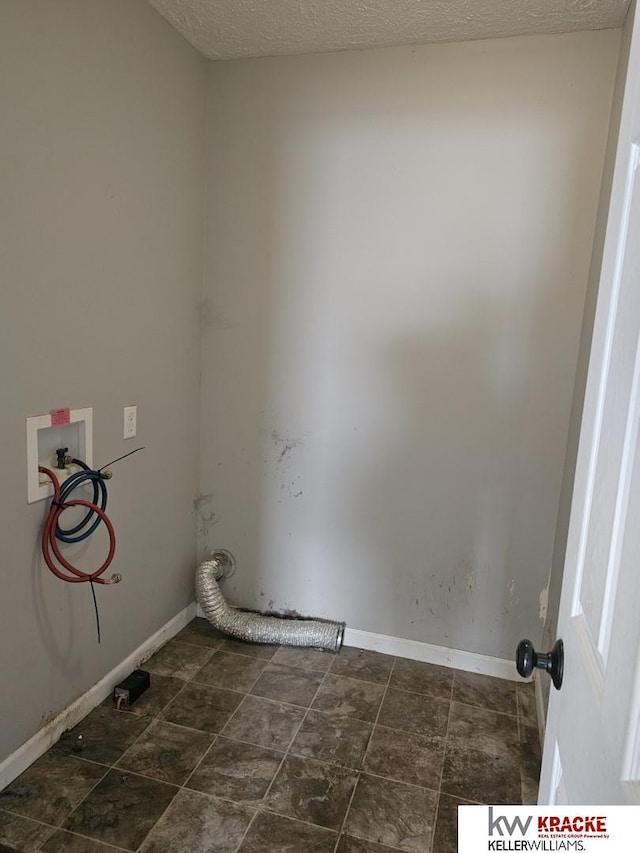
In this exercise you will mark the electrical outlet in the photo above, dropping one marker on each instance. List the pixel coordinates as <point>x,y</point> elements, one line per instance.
<point>130,421</point>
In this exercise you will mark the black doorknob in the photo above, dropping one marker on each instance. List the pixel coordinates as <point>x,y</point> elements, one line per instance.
<point>527,659</point>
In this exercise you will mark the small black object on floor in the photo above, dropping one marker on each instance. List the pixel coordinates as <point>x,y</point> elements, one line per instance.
<point>126,693</point>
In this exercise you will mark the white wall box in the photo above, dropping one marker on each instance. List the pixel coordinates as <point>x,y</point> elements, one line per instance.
<point>44,438</point>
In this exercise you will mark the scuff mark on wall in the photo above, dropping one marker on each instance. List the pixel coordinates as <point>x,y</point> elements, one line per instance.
<point>206,517</point>
<point>544,603</point>
<point>284,444</point>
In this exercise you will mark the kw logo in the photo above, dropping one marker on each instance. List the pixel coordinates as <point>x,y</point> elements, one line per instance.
<point>498,823</point>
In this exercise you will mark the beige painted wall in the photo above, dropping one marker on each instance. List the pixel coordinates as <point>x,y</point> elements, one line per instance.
<point>397,251</point>
<point>101,107</point>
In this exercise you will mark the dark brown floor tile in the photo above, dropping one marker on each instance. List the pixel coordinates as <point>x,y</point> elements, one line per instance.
<point>199,632</point>
<point>421,677</point>
<point>288,684</point>
<point>362,664</point>
<point>526,697</point>
<point>304,658</point>
<point>349,844</point>
<point>349,697</point>
<point>406,757</point>
<point>121,809</point>
<point>103,736</point>
<point>160,692</point>
<point>483,691</point>
<point>264,722</point>
<point>200,706</point>
<point>49,789</point>
<point>414,712</point>
<point>195,823</point>
<point>20,833</point>
<point>482,759</point>
<point>270,833</point>
<point>262,651</point>
<point>178,660</point>
<point>167,752</point>
<point>481,729</point>
<point>66,842</point>
<point>231,672</point>
<point>445,839</point>
<point>312,791</point>
<point>237,771</point>
<point>482,776</point>
<point>338,740</point>
<point>392,813</point>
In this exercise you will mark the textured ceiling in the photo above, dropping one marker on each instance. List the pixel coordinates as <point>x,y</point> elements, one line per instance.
<point>226,29</point>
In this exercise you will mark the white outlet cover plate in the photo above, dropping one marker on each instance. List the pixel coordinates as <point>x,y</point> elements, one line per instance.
<point>130,421</point>
<point>84,417</point>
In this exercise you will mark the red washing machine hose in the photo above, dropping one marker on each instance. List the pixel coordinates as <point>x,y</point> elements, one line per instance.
<point>50,548</point>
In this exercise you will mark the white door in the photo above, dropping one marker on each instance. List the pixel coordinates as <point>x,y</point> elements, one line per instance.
<point>592,742</point>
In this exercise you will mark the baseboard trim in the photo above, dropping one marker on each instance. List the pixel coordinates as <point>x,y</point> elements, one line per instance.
<point>428,653</point>
<point>415,650</point>
<point>24,756</point>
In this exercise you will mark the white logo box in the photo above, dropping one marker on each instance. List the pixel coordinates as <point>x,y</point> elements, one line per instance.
<point>548,829</point>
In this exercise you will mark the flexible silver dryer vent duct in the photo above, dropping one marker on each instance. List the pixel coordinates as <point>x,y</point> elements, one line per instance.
<point>254,627</point>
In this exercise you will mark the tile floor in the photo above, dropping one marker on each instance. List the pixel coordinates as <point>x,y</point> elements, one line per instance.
<point>260,749</point>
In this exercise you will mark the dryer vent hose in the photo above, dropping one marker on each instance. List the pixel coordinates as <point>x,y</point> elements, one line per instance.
<point>254,627</point>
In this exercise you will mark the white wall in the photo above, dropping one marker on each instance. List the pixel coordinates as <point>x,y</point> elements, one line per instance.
<point>102,112</point>
<point>398,244</point>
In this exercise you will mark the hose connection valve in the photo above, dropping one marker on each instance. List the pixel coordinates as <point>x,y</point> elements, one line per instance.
<point>62,459</point>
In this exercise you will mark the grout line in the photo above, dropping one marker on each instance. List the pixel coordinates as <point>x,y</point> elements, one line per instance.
<point>84,838</point>
<point>23,817</point>
<point>386,846</point>
<point>53,827</point>
<point>444,756</point>
<point>364,754</point>
<point>284,757</point>
<point>90,791</point>
<point>216,737</point>
<point>375,722</point>
<point>152,720</point>
<point>169,804</point>
<point>255,815</point>
<point>199,645</point>
<point>399,781</point>
<point>306,822</point>
<point>346,814</point>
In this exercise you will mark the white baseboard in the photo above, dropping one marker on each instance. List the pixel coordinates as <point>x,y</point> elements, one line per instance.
<point>24,756</point>
<point>415,650</point>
